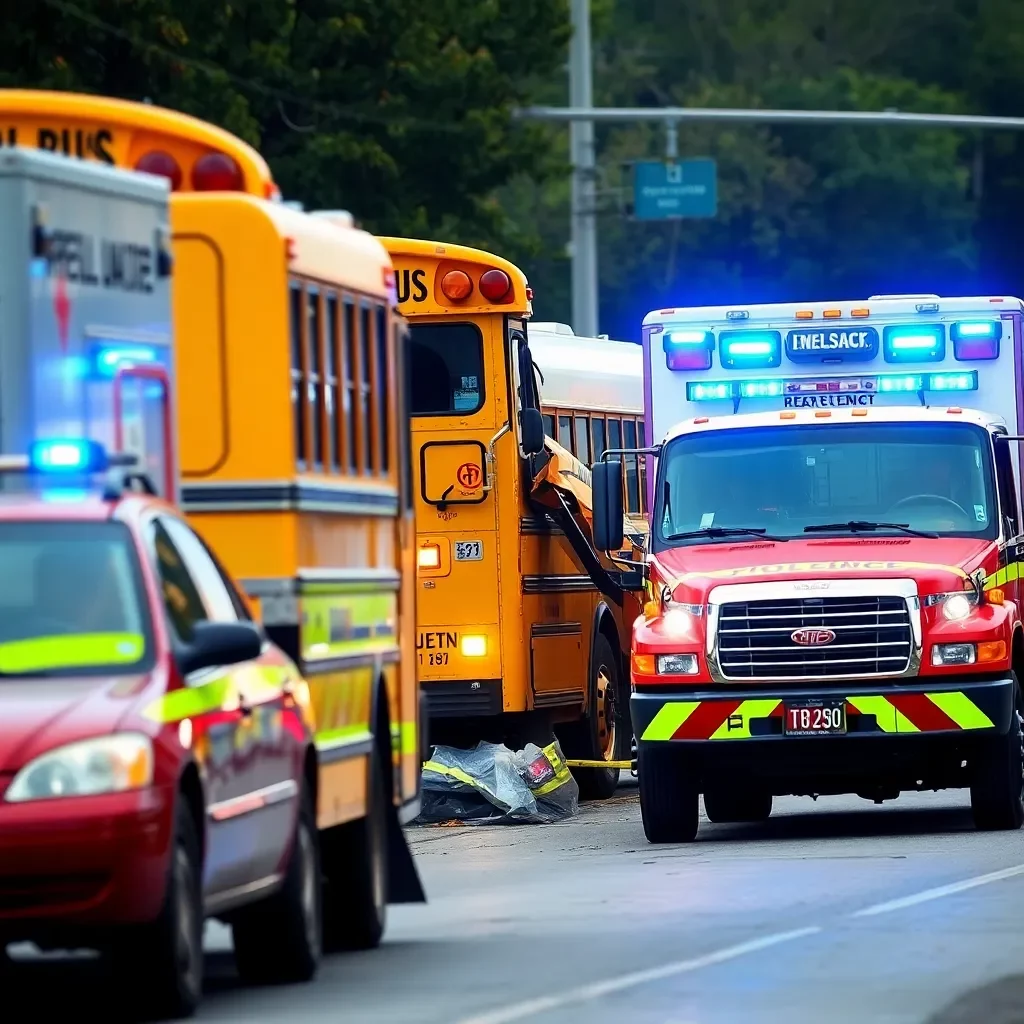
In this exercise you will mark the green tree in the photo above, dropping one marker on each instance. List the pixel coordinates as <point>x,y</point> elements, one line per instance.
<point>398,110</point>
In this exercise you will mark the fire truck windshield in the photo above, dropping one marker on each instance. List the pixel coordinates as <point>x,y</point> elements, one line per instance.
<point>71,600</point>
<point>937,479</point>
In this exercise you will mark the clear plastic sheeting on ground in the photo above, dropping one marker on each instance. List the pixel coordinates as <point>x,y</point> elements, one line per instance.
<point>492,785</point>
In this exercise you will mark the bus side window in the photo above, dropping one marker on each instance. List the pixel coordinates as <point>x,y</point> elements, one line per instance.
<point>332,391</point>
<point>565,432</point>
<point>368,402</point>
<point>383,385</point>
<point>314,381</point>
<point>642,436</point>
<point>549,425</point>
<point>348,347</point>
<point>615,441</point>
<point>582,425</point>
<point>632,476</point>
<point>600,443</point>
<point>298,391</point>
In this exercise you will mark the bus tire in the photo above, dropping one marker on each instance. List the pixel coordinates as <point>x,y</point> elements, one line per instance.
<point>669,799</point>
<point>600,736</point>
<point>735,805</point>
<point>356,871</point>
<point>997,783</point>
<point>279,940</point>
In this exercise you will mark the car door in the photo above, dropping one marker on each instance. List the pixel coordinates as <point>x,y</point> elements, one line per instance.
<point>267,755</point>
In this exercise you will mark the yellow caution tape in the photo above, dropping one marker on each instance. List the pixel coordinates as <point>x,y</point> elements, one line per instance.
<point>624,765</point>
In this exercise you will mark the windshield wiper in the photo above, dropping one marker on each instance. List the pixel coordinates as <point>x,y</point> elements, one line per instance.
<point>864,526</point>
<point>714,532</point>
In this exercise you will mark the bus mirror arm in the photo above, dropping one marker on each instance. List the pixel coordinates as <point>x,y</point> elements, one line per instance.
<point>491,458</point>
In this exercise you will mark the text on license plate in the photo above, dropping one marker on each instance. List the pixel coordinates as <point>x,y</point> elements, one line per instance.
<point>815,719</point>
<point>469,550</point>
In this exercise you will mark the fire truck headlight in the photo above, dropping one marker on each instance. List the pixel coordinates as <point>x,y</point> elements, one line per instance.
<point>954,654</point>
<point>959,606</point>
<point>678,665</point>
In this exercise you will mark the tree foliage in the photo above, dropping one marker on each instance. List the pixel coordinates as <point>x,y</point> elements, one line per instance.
<point>398,110</point>
<point>401,111</point>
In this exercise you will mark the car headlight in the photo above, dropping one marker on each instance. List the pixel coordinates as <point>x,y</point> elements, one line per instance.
<point>106,764</point>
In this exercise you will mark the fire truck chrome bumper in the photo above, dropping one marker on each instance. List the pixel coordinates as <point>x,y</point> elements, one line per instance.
<point>951,706</point>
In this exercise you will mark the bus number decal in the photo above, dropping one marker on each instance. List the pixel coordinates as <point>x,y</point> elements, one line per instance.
<point>469,550</point>
<point>412,284</point>
<point>433,647</point>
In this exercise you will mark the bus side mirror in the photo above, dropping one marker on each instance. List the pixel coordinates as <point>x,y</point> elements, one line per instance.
<point>608,511</point>
<point>531,429</point>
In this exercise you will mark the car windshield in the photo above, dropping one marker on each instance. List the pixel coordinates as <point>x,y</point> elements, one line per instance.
<point>933,478</point>
<point>71,600</point>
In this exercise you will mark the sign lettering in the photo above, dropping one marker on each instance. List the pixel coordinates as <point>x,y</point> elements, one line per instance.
<point>76,142</point>
<point>843,344</point>
<point>85,260</point>
<point>826,401</point>
<point>412,285</point>
<point>785,568</point>
<point>469,475</point>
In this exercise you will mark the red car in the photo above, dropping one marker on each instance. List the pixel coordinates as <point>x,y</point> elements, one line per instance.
<point>156,759</point>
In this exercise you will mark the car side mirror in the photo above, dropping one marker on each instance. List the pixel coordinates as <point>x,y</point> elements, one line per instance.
<point>531,429</point>
<point>606,481</point>
<point>220,643</point>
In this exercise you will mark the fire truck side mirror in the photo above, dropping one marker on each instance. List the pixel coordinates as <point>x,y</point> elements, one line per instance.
<point>608,510</point>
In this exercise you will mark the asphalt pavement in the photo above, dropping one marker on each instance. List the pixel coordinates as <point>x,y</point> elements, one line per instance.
<point>832,911</point>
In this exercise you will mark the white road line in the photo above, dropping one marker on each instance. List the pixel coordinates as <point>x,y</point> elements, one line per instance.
<point>519,1011</point>
<point>940,891</point>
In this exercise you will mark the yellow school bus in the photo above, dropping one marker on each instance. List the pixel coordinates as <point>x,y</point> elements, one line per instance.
<point>514,632</point>
<point>295,465</point>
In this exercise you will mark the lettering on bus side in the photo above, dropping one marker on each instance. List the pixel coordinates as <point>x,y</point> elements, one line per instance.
<point>433,647</point>
<point>412,285</point>
<point>826,401</point>
<point>70,141</point>
<point>124,266</point>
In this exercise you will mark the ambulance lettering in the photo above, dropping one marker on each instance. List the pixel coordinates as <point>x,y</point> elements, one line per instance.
<point>847,343</point>
<point>826,401</point>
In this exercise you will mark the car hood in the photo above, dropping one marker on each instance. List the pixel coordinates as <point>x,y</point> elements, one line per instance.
<point>39,714</point>
<point>937,565</point>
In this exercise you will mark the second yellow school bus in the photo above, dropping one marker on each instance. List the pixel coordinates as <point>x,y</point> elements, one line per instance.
<point>513,634</point>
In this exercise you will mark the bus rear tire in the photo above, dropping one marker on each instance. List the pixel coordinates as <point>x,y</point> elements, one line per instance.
<point>355,858</point>
<point>669,797</point>
<point>601,735</point>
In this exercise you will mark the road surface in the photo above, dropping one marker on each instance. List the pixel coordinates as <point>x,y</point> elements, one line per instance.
<point>834,911</point>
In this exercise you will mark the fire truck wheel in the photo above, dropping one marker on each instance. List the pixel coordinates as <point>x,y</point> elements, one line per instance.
<point>669,801</point>
<point>279,939</point>
<point>997,786</point>
<point>356,872</point>
<point>164,959</point>
<point>724,805</point>
<point>603,734</point>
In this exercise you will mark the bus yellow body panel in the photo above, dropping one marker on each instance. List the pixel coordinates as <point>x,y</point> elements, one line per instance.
<point>119,132</point>
<point>318,546</point>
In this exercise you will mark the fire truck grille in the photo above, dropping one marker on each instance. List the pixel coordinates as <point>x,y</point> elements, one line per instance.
<point>815,637</point>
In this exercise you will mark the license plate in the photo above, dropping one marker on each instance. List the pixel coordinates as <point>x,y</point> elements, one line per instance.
<point>820,718</point>
<point>469,550</point>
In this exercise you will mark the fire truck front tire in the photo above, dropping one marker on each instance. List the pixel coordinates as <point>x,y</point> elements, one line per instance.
<point>737,805</point>
<point>997,785</point>
<point>669,797</point>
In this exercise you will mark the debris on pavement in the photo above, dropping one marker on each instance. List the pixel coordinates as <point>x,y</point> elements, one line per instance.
<point>493,785</point>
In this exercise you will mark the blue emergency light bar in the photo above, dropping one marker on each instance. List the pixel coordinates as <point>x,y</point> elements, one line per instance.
<point>69,457</point>
<point>691,348</point>
<point>957,380</point>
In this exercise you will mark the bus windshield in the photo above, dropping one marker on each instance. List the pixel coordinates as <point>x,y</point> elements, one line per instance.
<point>932,478</point>
<point>447,368</point>
<point>71,600</point>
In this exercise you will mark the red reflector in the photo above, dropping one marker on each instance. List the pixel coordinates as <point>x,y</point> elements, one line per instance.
<point>162,164</point>
<point>456,285</point>
<point>529,294</point>
<point>216,172</point>
<point>495,285</point>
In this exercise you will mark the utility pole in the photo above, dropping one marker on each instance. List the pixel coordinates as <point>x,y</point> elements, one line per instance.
<point>583,244</point>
